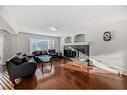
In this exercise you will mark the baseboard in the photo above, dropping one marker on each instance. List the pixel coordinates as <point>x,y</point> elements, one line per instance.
<point>121,72</point>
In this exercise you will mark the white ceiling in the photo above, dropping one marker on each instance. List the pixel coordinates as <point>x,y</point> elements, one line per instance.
<point>67,19</point>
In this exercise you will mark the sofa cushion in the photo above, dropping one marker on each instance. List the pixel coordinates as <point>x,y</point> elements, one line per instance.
<point>51,51</point>
<point>37,53</point>
<point>44,52</point>
<point>25,59</point>
<point>16,60</point>
<point>19,54</point>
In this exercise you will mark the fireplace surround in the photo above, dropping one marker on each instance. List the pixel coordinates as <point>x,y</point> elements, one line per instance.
<point>76,51</point>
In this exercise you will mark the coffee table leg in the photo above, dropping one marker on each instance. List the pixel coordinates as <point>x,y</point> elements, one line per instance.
<point>51,64</point>
<point>42,66</point>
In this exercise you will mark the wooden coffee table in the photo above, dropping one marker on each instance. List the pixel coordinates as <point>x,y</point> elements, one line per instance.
<point>46,59</point>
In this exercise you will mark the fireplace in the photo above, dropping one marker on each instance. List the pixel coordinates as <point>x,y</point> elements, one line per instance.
<point>70,53</point>
<point>76,51</point>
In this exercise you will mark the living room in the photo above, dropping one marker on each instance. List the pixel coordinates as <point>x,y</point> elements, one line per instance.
<point>81,45</point>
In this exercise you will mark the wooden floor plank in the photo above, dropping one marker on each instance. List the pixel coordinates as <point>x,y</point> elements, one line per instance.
<point>8,80</point>
<point>3,85</point>
<point>7,84</point>
<point>6,75</point>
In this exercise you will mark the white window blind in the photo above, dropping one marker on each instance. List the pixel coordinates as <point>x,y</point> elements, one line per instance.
<point>40,44</point>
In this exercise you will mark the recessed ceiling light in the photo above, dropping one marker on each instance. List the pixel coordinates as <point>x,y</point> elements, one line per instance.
<point>52,28</point>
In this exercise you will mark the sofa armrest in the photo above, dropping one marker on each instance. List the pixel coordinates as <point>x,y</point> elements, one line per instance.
<point>11,69</point>
<point>16,71</point>
<point>33,54</point>
<point>26,68</point>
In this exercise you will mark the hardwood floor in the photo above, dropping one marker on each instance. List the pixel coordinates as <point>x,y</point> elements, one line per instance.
<point>64,75</point>
<point>5,83</point>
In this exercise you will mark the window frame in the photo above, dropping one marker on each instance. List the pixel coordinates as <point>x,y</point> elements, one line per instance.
<point>30,44</point>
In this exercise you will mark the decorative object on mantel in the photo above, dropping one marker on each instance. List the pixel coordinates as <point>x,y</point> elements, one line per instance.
<point>107,36</point>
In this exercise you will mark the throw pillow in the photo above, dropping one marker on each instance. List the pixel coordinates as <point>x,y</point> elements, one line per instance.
<point>25,59</point>
<point>37,53</point>
<point>44,52</point>
<point>16,60</point>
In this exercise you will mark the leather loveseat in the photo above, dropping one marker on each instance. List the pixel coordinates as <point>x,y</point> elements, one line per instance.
<point>17,68</point>
<point>40,55</point>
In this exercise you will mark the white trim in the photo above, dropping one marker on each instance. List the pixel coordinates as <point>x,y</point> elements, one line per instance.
<point>2,48</point>
<point>30,43</point>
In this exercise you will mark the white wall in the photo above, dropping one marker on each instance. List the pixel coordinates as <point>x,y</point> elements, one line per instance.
<point>5,26</point>
<point>15,44</point>
<point>7,45</point>
<point>112,53</point>
<point>9,48</point>
<point>24,41</point>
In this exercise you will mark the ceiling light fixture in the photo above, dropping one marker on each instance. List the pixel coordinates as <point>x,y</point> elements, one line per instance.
<point>51,28</point>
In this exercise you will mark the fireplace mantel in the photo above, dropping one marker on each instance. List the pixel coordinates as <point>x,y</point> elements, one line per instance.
<point>77,43</point>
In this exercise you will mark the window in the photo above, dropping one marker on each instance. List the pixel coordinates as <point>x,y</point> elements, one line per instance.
<point>40,44</point>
